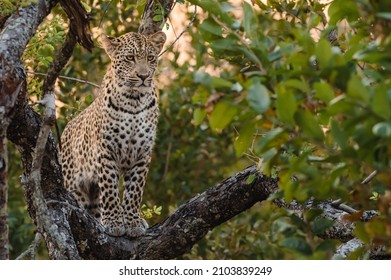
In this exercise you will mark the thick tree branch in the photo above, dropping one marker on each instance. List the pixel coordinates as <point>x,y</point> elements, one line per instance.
<point>16,32</point>
<point>79,23</point>
<point>180,231</point>
<point>52,224</point>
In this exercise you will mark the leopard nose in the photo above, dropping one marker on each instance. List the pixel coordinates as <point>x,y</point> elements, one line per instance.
<point>143,76</point>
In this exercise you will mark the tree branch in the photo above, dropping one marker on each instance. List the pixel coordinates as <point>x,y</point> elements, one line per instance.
<point>32,248</point>
<point>179,232</point>
<point>16,32</point>
<point>79,23</point>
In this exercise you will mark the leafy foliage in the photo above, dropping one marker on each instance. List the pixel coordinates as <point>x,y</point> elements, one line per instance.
<point>300,88</point>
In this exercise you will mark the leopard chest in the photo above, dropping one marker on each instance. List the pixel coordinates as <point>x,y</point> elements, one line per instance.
<point>128,133</point>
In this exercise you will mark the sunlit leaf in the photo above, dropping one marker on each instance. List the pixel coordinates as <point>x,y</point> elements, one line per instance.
<point>244,139</point>
<point>324,91</point>
<point>222,115</point>
<point>199,115</point>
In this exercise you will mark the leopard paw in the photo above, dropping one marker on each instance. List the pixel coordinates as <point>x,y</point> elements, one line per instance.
<point>136,227</point>
<point>114,228</point>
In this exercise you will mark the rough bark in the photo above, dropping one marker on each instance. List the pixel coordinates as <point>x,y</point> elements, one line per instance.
<point>23,132</point>
<point>16,32</point>
<point>179,232</point>
<point>17,29</point>
<point>80,23</point>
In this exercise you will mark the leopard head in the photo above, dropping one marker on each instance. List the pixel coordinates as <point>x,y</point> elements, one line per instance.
<point>133,57</point>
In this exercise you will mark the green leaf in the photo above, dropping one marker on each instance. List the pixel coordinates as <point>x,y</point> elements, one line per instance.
<point>269,138</point>
<point>222,115</point>
<point>384,15</point>
<point>323,53</point>
<point>140,5</point>
<point>249,19</point>
<point>157,18</point>
<point>309,125</point>
<point>381,104</point>
<point>297,244</point>
<point>296,84</point>
<point>46,50</point>
<point>199,115</point>
<point>258,96</point>
<point>327,245</point>
<point>357,90</point>
<point>250,179</point>
<point>361,232</point>
<point>286,105</point>
<point>339,135</point>
<point>321,224</point>
<point>313,213</point>
<point>220,83</point>
<point>340,105</point>
<point>343,9</point>
<point>382,129</point>
<point>89,98</point>
<point>324,91</point>
<point>211,27</point>
<point>244,140</point>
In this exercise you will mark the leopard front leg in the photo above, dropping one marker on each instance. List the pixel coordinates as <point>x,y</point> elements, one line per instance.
<point>109,201</point>
<point>134,180</point>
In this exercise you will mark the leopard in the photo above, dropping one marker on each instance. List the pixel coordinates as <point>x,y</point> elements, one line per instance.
<point>113,138</point>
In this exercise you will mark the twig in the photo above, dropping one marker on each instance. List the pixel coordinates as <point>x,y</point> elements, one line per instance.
<point>104,13</point>
<point>183,31</point>
<point>167,163</point>
<point>337,203</point>
<point>32,248</point>
<point>369,178</point>
<point>65,78</point>
<point>347,209</point>
<point>244,42</point>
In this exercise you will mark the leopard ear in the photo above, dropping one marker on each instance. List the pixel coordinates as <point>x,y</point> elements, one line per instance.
<point>108,44</point>
<point>158,39</point>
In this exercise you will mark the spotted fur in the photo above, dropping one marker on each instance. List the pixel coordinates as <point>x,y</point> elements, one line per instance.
<point>114,136</point>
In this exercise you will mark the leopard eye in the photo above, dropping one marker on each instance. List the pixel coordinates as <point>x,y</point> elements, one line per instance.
<point>150,57</point>
<point>130,58</point>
